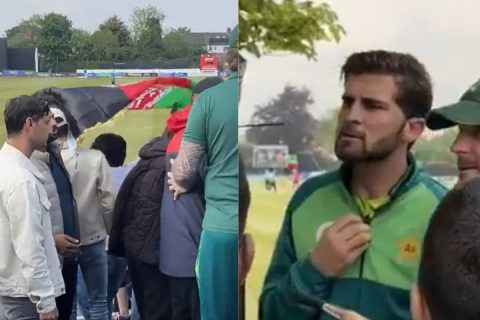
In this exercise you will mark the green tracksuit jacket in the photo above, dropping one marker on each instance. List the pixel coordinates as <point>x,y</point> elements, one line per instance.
<point>378,284</point>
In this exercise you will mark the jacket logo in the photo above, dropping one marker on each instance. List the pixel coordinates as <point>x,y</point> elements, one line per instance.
<point>321,229</point>
<point>409,249</point>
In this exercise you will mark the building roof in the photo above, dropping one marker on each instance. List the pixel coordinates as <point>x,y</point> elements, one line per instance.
<point>220,41</point>
<point>203,38</point>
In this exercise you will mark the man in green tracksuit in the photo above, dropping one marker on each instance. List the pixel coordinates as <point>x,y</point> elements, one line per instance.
<point>353,237</point>
<point>212,132</point>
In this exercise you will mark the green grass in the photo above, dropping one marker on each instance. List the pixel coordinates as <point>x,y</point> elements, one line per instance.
<point>264,221</point>
<point>137,127</point>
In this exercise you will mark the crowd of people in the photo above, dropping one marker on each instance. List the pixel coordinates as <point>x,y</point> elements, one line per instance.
<point>377,239</point>
<point>158,236</point>
<point>380,238</point>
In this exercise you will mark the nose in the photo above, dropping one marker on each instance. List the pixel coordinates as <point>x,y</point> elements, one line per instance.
<point>353,113</point>
<point>461,145</point>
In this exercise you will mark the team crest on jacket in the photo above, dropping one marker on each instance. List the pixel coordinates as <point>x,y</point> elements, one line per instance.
<point>409,249</point>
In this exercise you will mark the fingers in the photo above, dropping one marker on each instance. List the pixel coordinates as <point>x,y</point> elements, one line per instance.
<point>359,240</point>
<point>72,247</point>
<point>345,221</point>
<point>356,252</point>
<point>353,229</point>
<point>71,240</point>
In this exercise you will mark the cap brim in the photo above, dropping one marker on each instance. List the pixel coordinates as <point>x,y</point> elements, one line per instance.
<point>461,113</point>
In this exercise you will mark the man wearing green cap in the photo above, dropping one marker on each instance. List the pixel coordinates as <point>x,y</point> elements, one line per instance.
<point>212,130</point>
<point>466,115</point>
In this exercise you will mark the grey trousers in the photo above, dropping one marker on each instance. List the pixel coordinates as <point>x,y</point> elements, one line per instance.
<point>17,309</point>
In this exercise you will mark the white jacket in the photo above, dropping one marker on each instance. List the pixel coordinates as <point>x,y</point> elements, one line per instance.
<point>92,186</point>
<point>29,265</point>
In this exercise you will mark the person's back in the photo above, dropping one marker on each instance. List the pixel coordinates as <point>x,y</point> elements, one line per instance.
<point>181,219</point>
<point>219,105</point>
<point>93,189</point>
<point>136,229</point>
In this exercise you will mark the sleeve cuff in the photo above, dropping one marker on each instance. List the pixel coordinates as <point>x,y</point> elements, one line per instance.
<point>311,279</point>
<point>46,305</point>
<point>194,140</point>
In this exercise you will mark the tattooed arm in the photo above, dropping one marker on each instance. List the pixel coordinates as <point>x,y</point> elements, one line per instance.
<point>186,164</point>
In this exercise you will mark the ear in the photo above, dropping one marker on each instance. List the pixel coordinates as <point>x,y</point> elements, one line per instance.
<point>413,129</point>
<point>29,122</point>
<point>418,305</point>
<point>245,257</point>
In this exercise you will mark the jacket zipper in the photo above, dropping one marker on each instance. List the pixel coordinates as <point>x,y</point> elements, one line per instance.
<point>369,222</point>
<point>362,257</point>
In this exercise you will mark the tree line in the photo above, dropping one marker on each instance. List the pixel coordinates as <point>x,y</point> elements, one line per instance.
<point>143,42</point>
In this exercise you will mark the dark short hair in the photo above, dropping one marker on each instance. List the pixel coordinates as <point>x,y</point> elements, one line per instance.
<point>411,77</point>
<point>113,146</point>
<point>244,196</point>
<point>206,83</point>
<point>18,109</point>
<point>449,274</point>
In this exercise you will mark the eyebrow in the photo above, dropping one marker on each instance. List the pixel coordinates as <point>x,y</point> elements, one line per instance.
<point>347,97</point>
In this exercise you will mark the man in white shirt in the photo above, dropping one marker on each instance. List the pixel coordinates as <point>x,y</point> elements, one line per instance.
<point>30,273</point>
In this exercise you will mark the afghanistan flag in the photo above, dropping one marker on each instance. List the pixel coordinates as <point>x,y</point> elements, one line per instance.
<point>85,107</point>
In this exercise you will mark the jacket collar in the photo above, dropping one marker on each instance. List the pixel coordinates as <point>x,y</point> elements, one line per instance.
<point>406,182</point>
<point>18,157</point>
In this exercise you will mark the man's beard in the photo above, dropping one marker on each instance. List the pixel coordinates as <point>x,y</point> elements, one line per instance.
<point>467,170</point>
<point>379,151</point>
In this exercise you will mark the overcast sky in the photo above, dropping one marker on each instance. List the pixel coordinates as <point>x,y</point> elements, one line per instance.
<point>204,15</point>
<point>444,35</point>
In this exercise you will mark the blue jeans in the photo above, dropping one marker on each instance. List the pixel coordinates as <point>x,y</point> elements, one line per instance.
<point>92,282</point>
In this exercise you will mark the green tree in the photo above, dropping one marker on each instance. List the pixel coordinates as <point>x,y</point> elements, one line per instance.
<point>26,33</point>
<point>177,45</point>
<point>118,29</point>
<point>291,109</point>
<point>122,49</point>
<point>325,133</point>
<point>54,38</point>
<point>82,45</point>
<point>270,25</point>
<point>147,32</point>
<point>105,46</point>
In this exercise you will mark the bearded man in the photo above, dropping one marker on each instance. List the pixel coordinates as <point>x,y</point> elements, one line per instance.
<point>352,237</point>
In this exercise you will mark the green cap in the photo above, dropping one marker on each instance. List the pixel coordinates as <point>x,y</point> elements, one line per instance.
<point>233,42</point>
<point>464,112</point>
